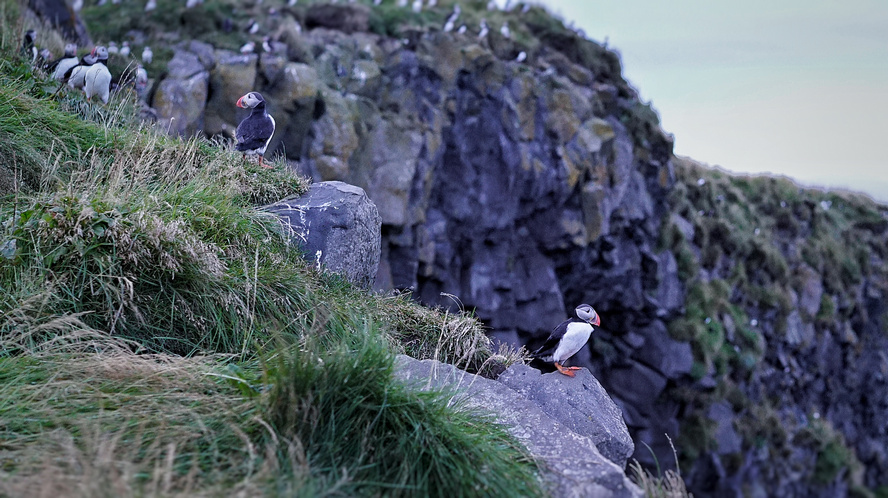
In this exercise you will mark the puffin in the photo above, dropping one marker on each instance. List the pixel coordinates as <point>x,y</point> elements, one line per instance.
<point>484,29</point>
<point>147,55</point>
<point>248,48</point>
<point>60,66</point>
<point>568,338</point>
<point>450,23</point>
<point>75,76</point>
<point>29,50</point>
<point>141,82</point>
<point>255,131</point>
<point>97,80</point>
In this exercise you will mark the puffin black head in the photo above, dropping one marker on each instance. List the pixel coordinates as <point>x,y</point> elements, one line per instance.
<point>251,100</point>
<point>588,314</point>
<point>28,49</point>
<point>70,50</point>
<point>30,38</point>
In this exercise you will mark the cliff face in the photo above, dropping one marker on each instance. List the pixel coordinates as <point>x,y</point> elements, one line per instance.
<point>786,311</point>
<point>745,316</point>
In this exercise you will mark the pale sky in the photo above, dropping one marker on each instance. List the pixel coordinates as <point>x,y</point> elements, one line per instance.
<point>790,87</point>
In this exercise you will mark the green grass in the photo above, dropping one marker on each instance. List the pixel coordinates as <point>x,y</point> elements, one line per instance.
<point>323,416</point>
<point>339,400</point>
<point>752,237</point>
<point>159,337</point>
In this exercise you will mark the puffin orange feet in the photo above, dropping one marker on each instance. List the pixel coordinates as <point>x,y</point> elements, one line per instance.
<point>262,162</point>
<point>566,370</point>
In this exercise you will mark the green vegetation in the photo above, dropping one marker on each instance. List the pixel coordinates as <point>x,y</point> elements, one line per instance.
<point>159,337</point>
<point>833,453</point>
<point>746,247</point>
<point>668,484</point>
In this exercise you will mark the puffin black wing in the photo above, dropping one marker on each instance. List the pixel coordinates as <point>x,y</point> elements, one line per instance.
<point>554,338</point>
<point>51,67</point>
<point>254,132</point>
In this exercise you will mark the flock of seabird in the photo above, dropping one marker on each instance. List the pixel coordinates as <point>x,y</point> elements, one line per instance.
<point>88,73</point>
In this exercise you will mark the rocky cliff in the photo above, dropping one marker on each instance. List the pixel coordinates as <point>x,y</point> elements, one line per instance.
<point>519,176</point>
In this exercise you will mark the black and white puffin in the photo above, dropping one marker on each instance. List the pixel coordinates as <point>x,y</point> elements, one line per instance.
<point>484,29</point>
<point>59,67</point>
<point>29,50</point>
<point>450,23</point>
<point>76,76</point>
<point>255,131</point>
<point>98,79</point>
<point>43,59</point>
<point>568,338</point>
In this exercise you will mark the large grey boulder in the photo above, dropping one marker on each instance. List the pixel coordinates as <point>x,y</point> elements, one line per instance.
<point>337,227</point>
<point>580,403</point>
<point>571,462</point>
<point>180,103</point>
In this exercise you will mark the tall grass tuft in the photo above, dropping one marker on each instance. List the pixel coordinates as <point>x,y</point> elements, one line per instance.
<point>668,484</point>
<point>371,435</point>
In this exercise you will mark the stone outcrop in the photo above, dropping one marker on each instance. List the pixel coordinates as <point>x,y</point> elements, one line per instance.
<point>580,403</point>
<point>180,98</point>
<point>569,456</point>
<point>337,227</point>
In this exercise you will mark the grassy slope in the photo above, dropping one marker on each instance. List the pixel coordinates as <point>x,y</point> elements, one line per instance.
<point>753,236</point>
<point>121,250</point>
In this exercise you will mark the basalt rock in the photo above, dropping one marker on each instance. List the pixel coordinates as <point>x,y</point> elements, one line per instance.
<point>336,226</point>
<point>566,439</point>
<point>578,402</point>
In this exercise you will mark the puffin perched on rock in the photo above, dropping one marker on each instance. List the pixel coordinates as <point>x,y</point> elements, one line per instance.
<point>255,131</point>
<point>568,338</point>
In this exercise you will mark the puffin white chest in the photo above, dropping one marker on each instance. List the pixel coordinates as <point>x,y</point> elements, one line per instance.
<point>98,82</point>
<point>64,66</point>
<point>575,337</point>
<point>78,77</point>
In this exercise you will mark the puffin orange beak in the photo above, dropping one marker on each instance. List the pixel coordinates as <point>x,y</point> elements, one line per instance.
<point>240,102</point>
<point>93,52</point>
<point>597,321</point>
